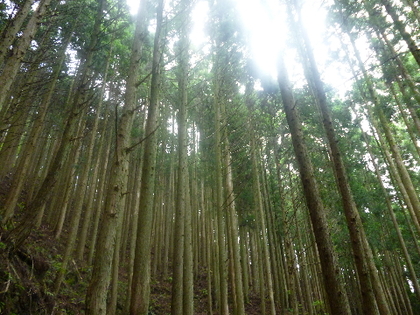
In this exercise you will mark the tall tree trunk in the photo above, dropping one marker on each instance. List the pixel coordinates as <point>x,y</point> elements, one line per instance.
<point>178,289</point>
<point>140,288</point>
<point>368,275</point>
<point>76,214</point>
<point>337,298</point>
<point>220,204</point>
<point>13,62</point>
<point>103,153</point>
<point>117,183</point>
<point>133,229</point>
<point>259,208</point>
<point>101,191</point>
<point>232,220</point>
<point>188,276</point>
<point>399,25</point>
<point>13,26</point>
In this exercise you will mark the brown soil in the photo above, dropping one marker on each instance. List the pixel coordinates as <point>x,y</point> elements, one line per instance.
<point>27,278</point>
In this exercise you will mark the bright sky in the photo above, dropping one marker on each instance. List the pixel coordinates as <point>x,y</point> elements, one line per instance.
<point>265,24</point>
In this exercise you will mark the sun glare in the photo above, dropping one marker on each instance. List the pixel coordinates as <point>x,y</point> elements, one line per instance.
<point>265,25</point>
<point>199,19</point>
<point>133,5</point>
<point>266,29</point>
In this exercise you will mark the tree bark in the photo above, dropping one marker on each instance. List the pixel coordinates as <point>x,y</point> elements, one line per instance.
<point>368,277</point>
<point>13,62</point>
<point>399,25</point>
<point>117,183</point>
<point>140,288</point>
<point>13,26</point>
<point>178,289</point>
<point>337,298</point>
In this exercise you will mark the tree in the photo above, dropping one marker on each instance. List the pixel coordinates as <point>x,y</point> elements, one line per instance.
<point>117,183</point>
<point>367,273</point>
<point>336,294</point>
<point>182,259</point>
<point>141,277</point>
<point>72,124</point>
<point>13,62</point>
<point>146,160</point>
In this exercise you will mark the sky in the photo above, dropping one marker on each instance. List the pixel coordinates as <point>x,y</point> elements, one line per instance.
<point>264,22</point>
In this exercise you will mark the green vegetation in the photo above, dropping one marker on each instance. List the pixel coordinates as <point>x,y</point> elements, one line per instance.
<point>144,172</point>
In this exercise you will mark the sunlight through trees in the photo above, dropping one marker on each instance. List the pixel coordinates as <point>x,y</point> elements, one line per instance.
<point>209,157</point>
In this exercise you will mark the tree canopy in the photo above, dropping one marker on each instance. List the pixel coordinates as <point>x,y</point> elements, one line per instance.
<point>145,170</point>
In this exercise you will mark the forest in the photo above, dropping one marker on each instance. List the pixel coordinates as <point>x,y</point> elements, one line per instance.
<point>144,172</point>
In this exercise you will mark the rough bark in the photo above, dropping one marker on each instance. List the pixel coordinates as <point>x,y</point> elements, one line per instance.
<point>8,34</point>
<point>369,281</point>
<point>117,184</point>
<point>331,273</point>
<point>14,61</point>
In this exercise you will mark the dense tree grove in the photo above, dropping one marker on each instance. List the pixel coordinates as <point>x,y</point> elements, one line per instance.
<point>144,158</point>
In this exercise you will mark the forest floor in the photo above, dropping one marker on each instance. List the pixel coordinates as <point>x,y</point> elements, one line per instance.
<point>27,278</point>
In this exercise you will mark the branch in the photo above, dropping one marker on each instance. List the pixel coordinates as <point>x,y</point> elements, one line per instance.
<point>144,79</point>
<point>129,149</point>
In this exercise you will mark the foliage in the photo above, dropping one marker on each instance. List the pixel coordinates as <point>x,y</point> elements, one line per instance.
<point>252,124</point>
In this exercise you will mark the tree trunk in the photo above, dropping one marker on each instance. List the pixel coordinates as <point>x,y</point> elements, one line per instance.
<point>336,294</point>
<point>220,204</point>
<point>13,62</point>
<point>140,288</point>
<point>117,183</point>
<point>178,290</point>
<point>232,220</point>
<point>369,281</point>
<point>13,26</point>
<point>399,25</point>
<point>259,208</point>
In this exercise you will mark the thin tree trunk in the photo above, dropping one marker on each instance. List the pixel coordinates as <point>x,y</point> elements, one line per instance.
<point>262,225</point>
<point>220,204</point>
<point>140,287</point>
<point>233,228</point>
<point>101,191</point>
<point>75,218</point>
<point>188,277</point>
<point>133,230</point>
<point>12,65</point>
<point>178,288</point>
<point>90,196</point>
<point>83,180</point>
<point>400,26</point>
